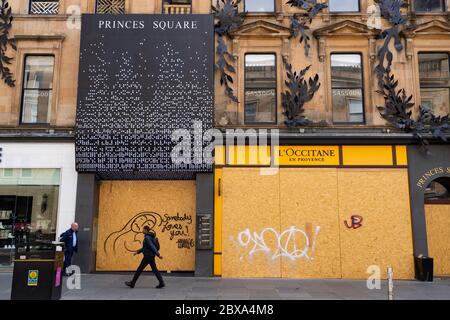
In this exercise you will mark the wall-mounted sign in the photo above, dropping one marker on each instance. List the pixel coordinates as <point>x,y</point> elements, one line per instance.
<point>306,156</point>
<point>143,78</point>
<point>33,278</point>
<point>430,175</point>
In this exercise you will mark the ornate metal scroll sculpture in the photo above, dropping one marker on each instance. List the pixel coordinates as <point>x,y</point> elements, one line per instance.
<point>397,111</point>
<point>300,22</point>
<point>228,19</point>
<point>5,41</point>
<point>398,105</point>
<point>299,91</point>
<point>391,11</point>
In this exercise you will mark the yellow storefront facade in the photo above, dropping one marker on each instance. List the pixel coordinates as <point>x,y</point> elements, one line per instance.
<point>312,212</point>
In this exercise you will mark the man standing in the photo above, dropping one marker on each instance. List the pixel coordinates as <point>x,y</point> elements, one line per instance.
<point>150,249</point>
<point>70,239</point>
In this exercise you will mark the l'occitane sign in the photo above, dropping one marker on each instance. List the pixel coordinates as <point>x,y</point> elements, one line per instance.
<point>306,155</point>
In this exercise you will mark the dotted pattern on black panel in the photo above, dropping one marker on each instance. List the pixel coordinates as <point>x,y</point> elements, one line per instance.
<point>136,87</point>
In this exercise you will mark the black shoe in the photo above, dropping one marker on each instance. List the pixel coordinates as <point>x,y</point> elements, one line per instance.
<point>129,284</point>
<point>160,286</point>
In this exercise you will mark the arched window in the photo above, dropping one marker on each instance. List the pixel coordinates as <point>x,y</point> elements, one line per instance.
<point>438,191</point>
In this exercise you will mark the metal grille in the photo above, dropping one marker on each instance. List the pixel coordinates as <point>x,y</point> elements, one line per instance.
<point>44,7</point>
<point>111,6</point>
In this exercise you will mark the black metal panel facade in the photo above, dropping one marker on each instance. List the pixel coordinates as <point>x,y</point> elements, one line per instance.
<point>142,77</point>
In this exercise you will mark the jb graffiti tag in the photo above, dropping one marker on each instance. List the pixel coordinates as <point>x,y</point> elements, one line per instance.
<point>356,222</point>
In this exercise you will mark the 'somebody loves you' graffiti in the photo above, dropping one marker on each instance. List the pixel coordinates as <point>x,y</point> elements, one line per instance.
<point>168,208</point>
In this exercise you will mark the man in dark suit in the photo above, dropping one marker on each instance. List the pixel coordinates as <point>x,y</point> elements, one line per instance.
<point>70,239</point>
<point>150,250</point>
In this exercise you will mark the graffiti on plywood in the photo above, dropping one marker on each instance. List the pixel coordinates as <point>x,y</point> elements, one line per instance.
<point>292,243</point>
<point>356,222</point>
<point>179,228</point>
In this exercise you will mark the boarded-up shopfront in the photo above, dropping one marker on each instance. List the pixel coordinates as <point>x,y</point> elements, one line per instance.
<point>327,212</point>
<point>438,235</point>
<point>125,207</point>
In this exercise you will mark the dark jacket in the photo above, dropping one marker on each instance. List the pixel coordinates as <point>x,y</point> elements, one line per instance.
<point>67,238</point>
<point>149,246</point>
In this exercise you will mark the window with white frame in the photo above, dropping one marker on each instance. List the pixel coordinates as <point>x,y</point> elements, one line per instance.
<point>37,89</point>
<point>259,5</point>
<point>344,5</point>
<point>347,88</point>
<point>260,89</point>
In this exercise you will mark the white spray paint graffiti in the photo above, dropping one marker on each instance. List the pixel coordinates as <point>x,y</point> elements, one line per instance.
<point>287,243</point>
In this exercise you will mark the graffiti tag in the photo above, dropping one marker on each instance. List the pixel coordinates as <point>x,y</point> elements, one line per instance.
<point>286,246</point>
<point>356,222</point>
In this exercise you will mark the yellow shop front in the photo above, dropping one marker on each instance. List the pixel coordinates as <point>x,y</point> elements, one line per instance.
<point>312,212</point>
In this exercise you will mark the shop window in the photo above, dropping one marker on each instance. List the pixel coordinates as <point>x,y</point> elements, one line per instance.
<point>344,5</point>
<point>177,6</point>
<point>347,89</point>
<point>260,89</point>
<point>429,5</point>
<point>435,82</point>
<point>28,208</point>
<point>44,7</point>
<point>37,89</point>
<point>259,5</point>
<point>110,6</point>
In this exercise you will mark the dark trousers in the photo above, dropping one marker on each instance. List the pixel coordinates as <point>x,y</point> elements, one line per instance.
<point>67,260</point>
<point>145,261</point>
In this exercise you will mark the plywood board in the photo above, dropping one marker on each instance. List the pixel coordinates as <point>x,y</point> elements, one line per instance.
<point>309,223</point>
<point>438,236</point>
<point>251,221</point>
<point>381,198</point>
<point>168,207</point>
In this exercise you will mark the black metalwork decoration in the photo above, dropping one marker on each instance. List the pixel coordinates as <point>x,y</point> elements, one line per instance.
<point>300,22</point>
<point>6,19</point>
<point>141,78</point>
<point>398,105</point>
<point>299,91</point>
<point>391,11</point>
<point>228,18</point>
<point>427,122</point>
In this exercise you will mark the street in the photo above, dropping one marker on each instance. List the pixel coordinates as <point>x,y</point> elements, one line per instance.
<point>111,287</point>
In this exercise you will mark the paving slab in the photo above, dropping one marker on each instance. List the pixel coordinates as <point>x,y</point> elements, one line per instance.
<point>112,287</point>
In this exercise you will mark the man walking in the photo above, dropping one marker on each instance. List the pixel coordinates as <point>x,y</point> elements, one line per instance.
<point>150,249</point>
<point>70,239</point>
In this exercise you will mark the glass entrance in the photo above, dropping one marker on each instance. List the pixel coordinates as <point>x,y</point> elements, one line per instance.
<point>28,208</point>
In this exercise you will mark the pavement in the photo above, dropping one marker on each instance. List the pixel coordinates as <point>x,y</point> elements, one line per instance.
<point>111,287</point>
